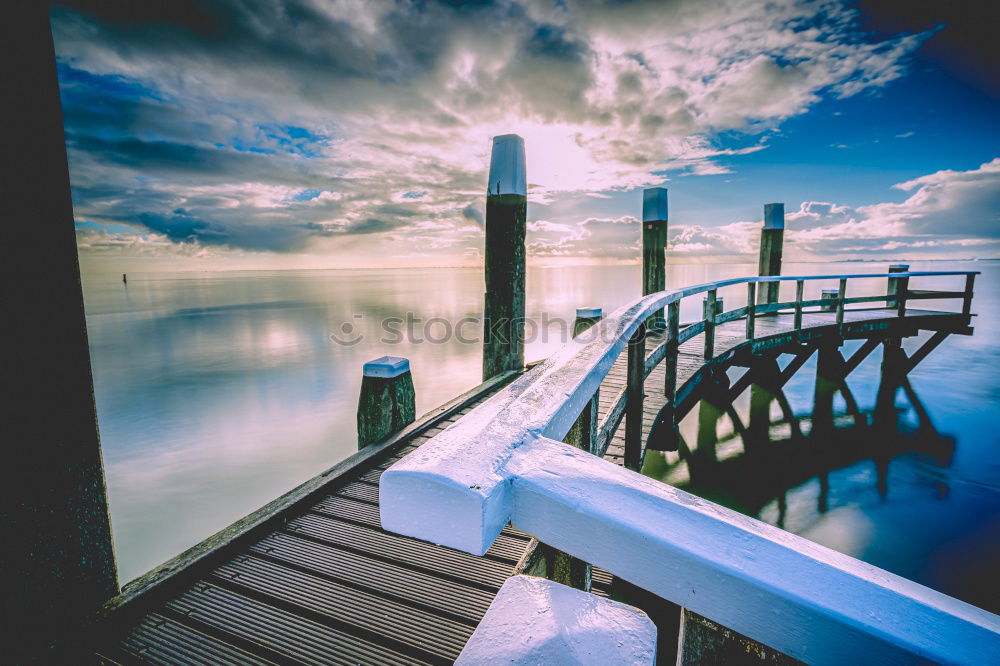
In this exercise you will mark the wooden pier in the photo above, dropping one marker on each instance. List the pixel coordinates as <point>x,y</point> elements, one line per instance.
<point>314,579</point>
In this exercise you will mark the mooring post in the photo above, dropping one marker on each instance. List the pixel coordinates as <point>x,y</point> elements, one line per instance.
<point>57,562</point>
<point>654,245</point>
<point>506,216</point>
<point>387,402</point>
<point>771,241</point>
<point>893,284</point>
<point>586,318</point>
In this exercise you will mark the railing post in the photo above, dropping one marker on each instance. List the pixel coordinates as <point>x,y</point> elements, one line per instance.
<point>633,409</point>
<point>654,244</point>
<point>559,566</point>
<point>970,280</point>
<point>771,241</point>
<point>799,287</point>
<point>506,211</point>
<point>893,285</point>
<point>586,318</point>
<point>751,309</point>
<point>387,402</point>
<point>904,285</point>
<point>709,312</point>
<point>842,296</point>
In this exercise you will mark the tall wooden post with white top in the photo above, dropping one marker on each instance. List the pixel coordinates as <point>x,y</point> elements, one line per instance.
<point>506,214</point>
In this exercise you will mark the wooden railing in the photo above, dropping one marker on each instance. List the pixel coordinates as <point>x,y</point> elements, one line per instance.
<point>505,462</point>
<point>629,400</point>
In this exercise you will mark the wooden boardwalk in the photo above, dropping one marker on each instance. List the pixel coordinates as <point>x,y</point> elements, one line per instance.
<point>319,582</point>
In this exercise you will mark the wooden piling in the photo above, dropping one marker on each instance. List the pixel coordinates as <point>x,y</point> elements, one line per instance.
<point>893,284</point>
<point>654,245</point>
<point>585,319</point>
<point>506,215</point>
<point>711,307</point>
<point>387,402</point>
<point>771,240</point>
<point>57,563</point>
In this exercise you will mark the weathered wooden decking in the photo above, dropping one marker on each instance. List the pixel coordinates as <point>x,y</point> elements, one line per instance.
<point>324,584</point>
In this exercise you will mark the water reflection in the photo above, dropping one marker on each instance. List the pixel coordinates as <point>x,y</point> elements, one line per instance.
<point>217,392</point>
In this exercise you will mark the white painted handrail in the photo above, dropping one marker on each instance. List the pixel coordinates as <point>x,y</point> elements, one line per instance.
<point>503,463</point>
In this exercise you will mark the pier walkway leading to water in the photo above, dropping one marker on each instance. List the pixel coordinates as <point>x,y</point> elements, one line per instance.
<point>313,578</point>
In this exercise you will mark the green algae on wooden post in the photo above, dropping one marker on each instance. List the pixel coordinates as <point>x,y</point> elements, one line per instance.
<point>387,402</point>
<point>654,245</point>
<point>506,219</point>
<point>771,242</point>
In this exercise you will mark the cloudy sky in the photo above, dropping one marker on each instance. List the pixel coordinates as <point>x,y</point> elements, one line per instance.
<point>343,133</point>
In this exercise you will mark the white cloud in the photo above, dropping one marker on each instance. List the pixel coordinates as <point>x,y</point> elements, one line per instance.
<point>399,102</point>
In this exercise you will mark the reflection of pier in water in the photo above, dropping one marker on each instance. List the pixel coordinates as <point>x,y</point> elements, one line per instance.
<point>748,474</point>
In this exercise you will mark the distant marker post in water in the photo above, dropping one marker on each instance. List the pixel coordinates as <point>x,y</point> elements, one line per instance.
<point>654,246</point>
<point>506,215</point>
<point>387,403</point>
<point>771,240</point>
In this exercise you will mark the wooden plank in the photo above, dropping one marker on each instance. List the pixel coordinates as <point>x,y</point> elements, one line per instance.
<point>149,588</point>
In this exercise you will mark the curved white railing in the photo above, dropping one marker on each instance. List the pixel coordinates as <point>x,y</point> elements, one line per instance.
<point>503,463</point>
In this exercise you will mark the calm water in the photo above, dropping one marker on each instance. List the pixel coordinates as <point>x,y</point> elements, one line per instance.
<point>216,392</point>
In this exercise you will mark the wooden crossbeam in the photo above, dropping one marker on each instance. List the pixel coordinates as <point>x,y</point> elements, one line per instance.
<point>793,367</point>
<point>861,354</point>
<point>921,354</point>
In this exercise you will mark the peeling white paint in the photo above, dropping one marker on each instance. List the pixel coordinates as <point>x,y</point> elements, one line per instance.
<point>507,170</point>
<point>654,204</point>
<point>538,621</point>
<point>386,367</point>
<point>774,216</point>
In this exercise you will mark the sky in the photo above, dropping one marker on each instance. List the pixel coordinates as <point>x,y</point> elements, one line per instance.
<point>240,134</point>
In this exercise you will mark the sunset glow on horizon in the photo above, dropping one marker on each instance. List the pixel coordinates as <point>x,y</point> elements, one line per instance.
<point>346,134</point>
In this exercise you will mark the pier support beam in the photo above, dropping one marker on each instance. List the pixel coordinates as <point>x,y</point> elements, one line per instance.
<point>506,216</point>
<point>57,562</point>
<point>654,245</point>
<point>771,242</point>
<point>387,402</point>
<point>829,370</point>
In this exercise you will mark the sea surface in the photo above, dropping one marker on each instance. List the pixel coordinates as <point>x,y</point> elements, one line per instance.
<point>217,392</point>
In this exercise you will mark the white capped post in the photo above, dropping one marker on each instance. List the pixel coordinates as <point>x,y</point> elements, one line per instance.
<point>506,222</point>
<point>654,245</point>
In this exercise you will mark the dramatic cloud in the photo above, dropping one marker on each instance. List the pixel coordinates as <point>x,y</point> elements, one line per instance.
<point>948,212</point>
<point>288,126</point>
